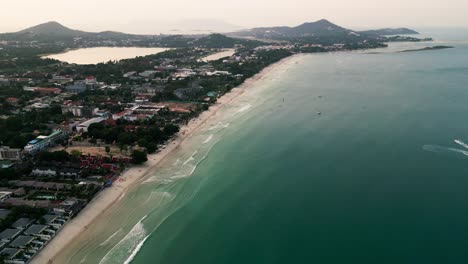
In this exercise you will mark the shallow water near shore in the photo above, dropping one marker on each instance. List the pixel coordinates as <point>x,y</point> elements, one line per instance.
<point>375,178</point>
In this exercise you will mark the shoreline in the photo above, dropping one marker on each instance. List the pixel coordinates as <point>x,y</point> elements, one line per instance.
<point>112,195</point>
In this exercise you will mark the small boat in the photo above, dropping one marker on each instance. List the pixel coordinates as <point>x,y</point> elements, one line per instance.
<point>319,113</point>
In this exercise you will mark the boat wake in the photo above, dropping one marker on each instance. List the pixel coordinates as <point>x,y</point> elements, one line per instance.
<point>444,150</point>
<point>461,143</point>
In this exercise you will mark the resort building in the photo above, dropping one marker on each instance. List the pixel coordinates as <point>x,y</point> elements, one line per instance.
<point>43,142</point>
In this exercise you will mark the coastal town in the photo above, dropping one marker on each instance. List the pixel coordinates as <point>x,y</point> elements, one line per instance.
<point>69,131</point>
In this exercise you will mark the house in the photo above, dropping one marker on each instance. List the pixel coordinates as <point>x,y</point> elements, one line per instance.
<point>81,86</point>
<point>7,153</point>
<point>91,80</point>
<point>50,219</point>
<point>69,207</point>
<point>22,242</point>
<point>12,255</point>
<point>22,223</point>
<point>41,231</point>
<point>12,101</point>
<point>9,234</point>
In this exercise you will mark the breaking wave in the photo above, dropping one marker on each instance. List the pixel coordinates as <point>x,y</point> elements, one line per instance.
<point>128,245</point>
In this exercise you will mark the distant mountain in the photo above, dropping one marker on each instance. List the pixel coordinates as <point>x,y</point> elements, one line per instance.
<point>52,29</point>
<point>390,31</point>
<point>321,28</point>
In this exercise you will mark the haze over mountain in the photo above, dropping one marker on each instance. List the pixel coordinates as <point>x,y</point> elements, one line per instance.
<point>319,32</point>
<point>144,16</point>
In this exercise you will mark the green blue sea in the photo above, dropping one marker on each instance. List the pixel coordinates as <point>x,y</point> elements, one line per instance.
<point>376,177</point>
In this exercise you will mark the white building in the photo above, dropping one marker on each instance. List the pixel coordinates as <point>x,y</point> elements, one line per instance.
<point>85,125</point>
<point>43,142</point>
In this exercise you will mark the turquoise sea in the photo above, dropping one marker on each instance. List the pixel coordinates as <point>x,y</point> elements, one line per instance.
<point>377,177</point>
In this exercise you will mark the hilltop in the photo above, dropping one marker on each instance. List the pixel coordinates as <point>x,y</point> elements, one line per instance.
<point>51,28</point>
<point>319,28</point>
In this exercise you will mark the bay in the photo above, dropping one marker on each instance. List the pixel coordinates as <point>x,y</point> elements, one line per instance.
<point>377,177</point>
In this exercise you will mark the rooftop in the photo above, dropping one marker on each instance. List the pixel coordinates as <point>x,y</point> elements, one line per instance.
<point>22,241</point>
<point>22,223</point>
<point>10,253</point>
<point>35,229</point>
<point>50,218</point>
<point>9,233</point>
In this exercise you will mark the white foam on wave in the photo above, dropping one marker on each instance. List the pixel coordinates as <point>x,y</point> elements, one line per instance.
<point>461,143</point>
<point>135,251</point>
<point>208,139</point>
<point>150,179</point>
<point>128,245</point>
<point>183,175</point>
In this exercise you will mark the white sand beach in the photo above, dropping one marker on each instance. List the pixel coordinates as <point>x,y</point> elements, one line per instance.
<point>77,227</point>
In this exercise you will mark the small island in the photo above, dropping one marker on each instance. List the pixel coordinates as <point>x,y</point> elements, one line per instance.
<point>429,48</point>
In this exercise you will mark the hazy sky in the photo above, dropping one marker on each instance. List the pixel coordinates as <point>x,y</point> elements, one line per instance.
<point>149,16</point>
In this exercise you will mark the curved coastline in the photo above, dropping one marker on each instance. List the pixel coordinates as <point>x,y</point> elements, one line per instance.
<point>61,248</point>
